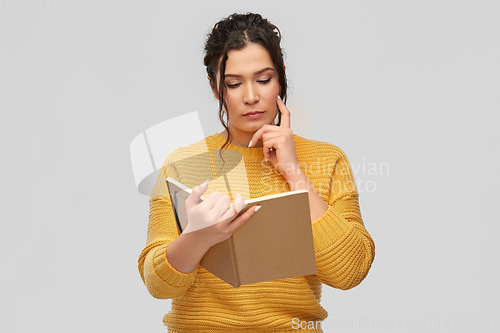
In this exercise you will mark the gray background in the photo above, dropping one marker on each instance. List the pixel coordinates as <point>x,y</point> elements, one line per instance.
<point>407,89</point>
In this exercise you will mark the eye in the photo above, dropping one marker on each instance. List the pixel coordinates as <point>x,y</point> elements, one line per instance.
<point>232,85</point>
<point>264,81</point>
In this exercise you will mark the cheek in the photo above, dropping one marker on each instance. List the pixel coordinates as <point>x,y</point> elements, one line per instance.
<point>231,100</point>
<point>272,92</point>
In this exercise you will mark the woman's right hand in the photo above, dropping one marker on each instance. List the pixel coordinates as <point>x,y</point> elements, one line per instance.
<point>209,222</point>
<point>214,219</point>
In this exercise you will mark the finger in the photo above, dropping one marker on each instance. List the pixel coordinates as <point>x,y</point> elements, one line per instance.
<point>237,222</point>
<point>211,200</point>
<point>271,135</point>
<point>195,196</point>
<point>285,113</point>
<point>221,206</point>
<point>269,142</point>
<point>258,135</point>
<point>268,145</point>
<point>235,208</point>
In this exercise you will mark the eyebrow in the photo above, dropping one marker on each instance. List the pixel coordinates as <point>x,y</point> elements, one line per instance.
<point>256,73</point>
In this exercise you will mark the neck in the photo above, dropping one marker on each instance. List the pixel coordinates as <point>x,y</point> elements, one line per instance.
<point>241,140</point>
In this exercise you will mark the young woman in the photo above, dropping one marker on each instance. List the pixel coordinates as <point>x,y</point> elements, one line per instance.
<point>246,72</point>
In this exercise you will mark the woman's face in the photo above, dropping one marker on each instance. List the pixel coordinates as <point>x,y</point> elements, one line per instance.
<point>252,86</point>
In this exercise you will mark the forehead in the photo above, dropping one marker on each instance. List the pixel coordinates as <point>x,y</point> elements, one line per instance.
<point>248,60</point>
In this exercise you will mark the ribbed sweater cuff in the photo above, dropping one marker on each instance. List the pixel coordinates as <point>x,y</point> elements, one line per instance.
<point>329,228</point>
<point>167,273</point>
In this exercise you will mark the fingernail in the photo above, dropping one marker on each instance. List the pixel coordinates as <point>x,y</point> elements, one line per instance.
<point>204,183</point>
<point>279,97</point>
<point>257,208</point>
<point>250,144</point>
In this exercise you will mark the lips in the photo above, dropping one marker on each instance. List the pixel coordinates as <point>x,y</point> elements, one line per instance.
<point>253,113</point>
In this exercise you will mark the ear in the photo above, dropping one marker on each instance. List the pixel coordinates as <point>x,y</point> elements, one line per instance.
<point>214,90</point>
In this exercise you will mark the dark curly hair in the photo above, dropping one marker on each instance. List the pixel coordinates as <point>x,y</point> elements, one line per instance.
<point>234,33</point>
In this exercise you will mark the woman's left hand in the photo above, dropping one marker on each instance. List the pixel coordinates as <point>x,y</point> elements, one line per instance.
<point>280,138</point>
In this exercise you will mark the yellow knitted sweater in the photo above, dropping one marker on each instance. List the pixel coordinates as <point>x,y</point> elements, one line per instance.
<point>201,302</point>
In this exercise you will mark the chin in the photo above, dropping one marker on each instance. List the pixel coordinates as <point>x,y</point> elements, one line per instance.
<point>258,124</point>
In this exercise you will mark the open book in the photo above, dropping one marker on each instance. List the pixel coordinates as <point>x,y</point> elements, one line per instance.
<point>276,243</point>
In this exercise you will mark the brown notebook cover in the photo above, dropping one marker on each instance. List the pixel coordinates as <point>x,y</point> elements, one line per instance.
<point>276,243</point>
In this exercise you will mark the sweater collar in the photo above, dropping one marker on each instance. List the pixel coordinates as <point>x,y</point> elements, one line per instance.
<point>217,140</point>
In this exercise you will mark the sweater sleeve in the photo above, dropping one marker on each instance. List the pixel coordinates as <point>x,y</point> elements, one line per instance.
<point>344,249</point>
<point>161,279</point>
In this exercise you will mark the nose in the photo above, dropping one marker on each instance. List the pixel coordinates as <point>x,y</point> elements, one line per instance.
<point>251,96</point>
